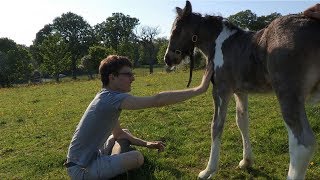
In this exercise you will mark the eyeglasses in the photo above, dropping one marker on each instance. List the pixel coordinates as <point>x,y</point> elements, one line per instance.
<point>128,74</point>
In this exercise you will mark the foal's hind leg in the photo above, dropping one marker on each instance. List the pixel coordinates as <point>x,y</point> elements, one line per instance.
<point>221,99</point>
<point>243,125</point>
<point>302,141</point>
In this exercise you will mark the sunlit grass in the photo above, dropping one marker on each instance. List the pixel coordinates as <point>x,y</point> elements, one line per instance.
<point>37,123</point>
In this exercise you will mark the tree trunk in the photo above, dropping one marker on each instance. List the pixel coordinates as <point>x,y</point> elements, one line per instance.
<point>90,75</point>
<point>57,78</point>
<point>151,61</point>
<point>151,65</point>
<point>74,68</point>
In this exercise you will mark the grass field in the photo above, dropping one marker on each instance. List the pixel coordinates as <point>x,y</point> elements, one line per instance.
<point>37,123</point>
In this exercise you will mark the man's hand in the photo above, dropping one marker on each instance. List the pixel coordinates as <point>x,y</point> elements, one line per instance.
<point>156,145</point>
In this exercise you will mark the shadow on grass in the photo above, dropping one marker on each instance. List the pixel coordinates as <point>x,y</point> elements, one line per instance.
<point>146,172</point>
<point>259,173</point>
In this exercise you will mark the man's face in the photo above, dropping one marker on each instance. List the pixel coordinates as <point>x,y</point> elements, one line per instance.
<point>124,79</point>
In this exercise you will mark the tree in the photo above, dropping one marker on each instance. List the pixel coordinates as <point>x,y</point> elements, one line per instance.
<point>146,38</point>
<point>56,56</point>
<point>161,47</point>
<point>7,45</point>
<point>45,32</point>
<point>15,63</point>
<point>21,65</point>
<point>247,19</point>
<point>263,21</point>
<point>4,70</point>
<point>116,30</point>
<point>87,65</point>
<point>199,59</point>
<point>244,19</point>
<point>77,33</point>
<point>98,53</point>
<point>41,35</point>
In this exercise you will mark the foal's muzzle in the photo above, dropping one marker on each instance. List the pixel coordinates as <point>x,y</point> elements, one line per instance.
<point>172,58</point>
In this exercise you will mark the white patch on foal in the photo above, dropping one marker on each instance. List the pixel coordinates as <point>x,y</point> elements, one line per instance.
<point>299,157</point>
<point>214,159</point>
<point>243,124</point>
<point>218,56</point>
<point>212,166</point>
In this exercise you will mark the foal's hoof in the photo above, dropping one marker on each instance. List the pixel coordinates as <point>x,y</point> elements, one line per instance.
<point>205,174</point>
<point>245,163</point>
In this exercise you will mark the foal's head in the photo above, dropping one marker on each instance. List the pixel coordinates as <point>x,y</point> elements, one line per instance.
<point>183,35</point>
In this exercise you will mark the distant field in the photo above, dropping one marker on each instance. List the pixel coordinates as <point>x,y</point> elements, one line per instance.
<point>37,123</point>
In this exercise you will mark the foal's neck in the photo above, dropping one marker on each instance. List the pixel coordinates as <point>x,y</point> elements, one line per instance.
<point>209,30</point>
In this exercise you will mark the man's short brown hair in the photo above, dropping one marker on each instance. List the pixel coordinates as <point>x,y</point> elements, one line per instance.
<point>111,65</point>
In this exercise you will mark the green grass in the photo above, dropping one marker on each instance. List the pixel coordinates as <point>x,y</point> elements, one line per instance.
<point>37,123</point>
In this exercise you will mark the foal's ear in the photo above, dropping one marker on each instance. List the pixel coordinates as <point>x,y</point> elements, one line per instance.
<point>179,11</point>
<point>187,9</point>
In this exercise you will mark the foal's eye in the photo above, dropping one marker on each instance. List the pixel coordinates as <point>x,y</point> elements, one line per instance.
<point>176,31</point>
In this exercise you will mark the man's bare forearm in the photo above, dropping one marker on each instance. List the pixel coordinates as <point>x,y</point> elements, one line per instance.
<point>172,97</point>
<point>133,140</point>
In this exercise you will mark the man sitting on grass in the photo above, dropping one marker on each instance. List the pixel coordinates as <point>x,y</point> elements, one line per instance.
<point>99,128</point>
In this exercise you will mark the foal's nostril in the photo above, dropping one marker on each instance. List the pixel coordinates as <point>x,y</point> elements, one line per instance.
<point>169,63</point>
<point>167,60</point>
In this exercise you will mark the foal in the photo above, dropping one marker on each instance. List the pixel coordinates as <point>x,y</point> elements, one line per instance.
<point>285,57</point>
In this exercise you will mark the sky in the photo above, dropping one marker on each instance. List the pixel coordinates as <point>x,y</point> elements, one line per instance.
<point>20,20</point>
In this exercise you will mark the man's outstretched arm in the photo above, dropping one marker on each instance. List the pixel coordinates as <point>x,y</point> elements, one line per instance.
<point>168,97</point>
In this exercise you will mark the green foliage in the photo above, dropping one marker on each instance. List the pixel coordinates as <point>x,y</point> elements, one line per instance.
<point>77,33</point>
<point>248,19</point>
<point>21,67</point>
<point>128,49</point>
<point>117,33</point>
<point>116,29</point>
<point>41,35</point>
<point>199,59</point>
<point>98,53</point>
<point>244,19</point>
<point>15,63</point>
<point>56,57</point>
<point>263,21</point>
<point>74,29</point>
<point>37,127</point>
<point>147,36</point>
<point>161,47</point>
<point>143,55</point>
<point>161,53</point>
<point>7,45</point>
<point>45,32</point>
<point>4,70</point>
<point>87,65</point>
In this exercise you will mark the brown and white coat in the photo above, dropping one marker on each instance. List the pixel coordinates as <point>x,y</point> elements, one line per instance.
<point>285,57</point>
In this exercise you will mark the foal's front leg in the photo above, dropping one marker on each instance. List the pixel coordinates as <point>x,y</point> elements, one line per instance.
<point>243,125</point>
<point>221,99</point>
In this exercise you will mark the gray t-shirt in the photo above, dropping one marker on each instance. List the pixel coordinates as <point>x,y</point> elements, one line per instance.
<point>95,126</point>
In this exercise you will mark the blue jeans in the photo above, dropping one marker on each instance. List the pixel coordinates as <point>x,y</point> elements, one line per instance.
<point>103,167</point>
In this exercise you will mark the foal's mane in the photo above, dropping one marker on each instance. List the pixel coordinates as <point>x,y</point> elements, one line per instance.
<point>212,19</point>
